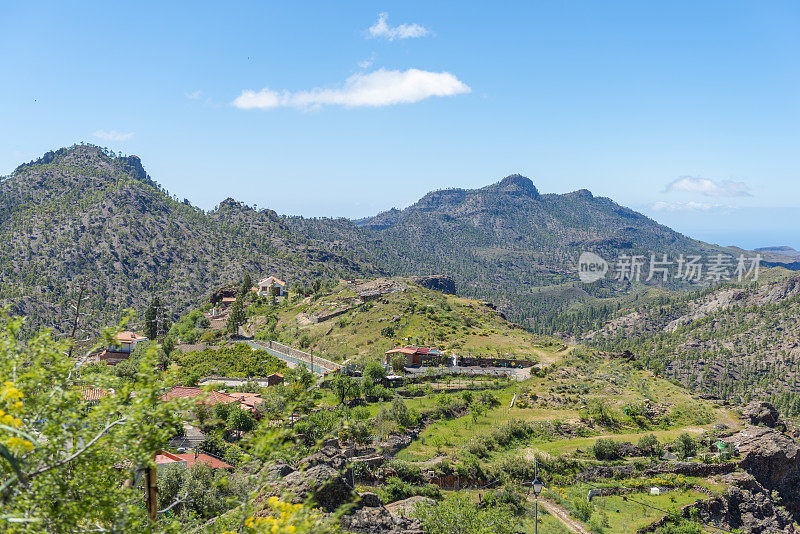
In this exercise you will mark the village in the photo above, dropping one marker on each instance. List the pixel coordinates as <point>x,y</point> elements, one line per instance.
<point>420,392</point>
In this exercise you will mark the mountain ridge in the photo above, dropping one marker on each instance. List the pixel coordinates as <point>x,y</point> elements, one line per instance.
<point>83,210</point>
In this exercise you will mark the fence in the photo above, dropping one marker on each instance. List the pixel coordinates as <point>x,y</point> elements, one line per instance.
<point>292,355</point>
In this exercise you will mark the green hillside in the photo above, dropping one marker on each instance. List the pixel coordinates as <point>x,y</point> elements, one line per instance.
<point>735,341</point>
<point>404,314</point>
<point>86,212</point>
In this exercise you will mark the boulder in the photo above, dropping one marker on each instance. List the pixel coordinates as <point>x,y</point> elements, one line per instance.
<point>407,506</point>
<point>327,455</point>
<point>321,483</point>
<point>761,413</point>
<point>371,516</point>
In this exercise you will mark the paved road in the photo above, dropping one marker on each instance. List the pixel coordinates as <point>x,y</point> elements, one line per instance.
<point>290,360</point>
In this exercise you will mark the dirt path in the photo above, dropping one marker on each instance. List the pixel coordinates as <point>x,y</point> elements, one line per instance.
<point>562,515</point>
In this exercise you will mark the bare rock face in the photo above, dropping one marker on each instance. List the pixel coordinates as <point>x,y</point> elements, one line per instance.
<point>441,283</point>
<point>773,459</point>
<point>748,506</point>
<point>761,413</point>
<point>327,455</point>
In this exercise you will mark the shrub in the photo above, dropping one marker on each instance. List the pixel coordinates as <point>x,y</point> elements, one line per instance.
<point>406,471</point>
<point>457,514</point>
<point>649,444</point>
<point>383,393</point>
<point>516,502</point>
<point>387,331</point>
<point>396,490</point>
<point>605,449</point>
<point>581,509</point>
<point>686,445</point>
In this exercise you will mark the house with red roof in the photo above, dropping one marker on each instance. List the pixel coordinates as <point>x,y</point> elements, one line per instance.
<point>121,348</point>
<point>246,401</point>
<point>188,459</point>
<point>209,398</point>
<point>414,355</point>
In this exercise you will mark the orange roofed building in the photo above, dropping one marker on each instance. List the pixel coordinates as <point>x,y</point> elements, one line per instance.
<point>246,401</point>
<point>208,398</point>
<point>188,459</point>
<point>413,355</point>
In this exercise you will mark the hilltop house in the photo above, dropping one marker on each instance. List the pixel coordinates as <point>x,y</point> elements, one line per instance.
<point>414,355</point>
<point>271,286</point>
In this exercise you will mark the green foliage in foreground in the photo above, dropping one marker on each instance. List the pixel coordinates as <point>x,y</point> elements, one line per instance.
<point>456,514</point>
<point>63,460</point>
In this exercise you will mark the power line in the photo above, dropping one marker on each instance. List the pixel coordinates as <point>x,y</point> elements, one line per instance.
<point>626,498</point>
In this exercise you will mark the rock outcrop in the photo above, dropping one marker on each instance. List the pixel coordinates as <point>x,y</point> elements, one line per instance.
<point>441,283</point>
<point>748,506</point>
<point>761,413</point>
<point>773,459</point>
<point>321,479</point>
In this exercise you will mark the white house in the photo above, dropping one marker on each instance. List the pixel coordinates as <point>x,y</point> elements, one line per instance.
<point>272,286</point>
<point>126,342</point>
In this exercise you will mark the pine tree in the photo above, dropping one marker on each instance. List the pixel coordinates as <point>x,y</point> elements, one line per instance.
<point>247,283</point>
<point>156,322</point>
<point>237,316</point>
<point>151,319</point>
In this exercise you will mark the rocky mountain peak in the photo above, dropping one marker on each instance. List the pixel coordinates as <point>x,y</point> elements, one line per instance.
<point>516,184</point>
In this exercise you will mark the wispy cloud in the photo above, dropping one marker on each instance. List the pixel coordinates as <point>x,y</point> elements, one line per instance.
<point>688,206</point>
<point>381,29</point>
<point>112,135</point>
<point>195,95</point>
<point>375,89</point>
<point>367,63</point>
<point>709,188</point>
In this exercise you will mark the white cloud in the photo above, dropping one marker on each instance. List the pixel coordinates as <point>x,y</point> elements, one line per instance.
<point>687,206</point>
<point>375,89</point>
<point>112,135</point>
<point>709,188</point>
<point>195,95</point>
<point>404,31</point>
<point>367,63</point>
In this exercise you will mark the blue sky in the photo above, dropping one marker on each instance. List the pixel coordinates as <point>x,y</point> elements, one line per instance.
<point>687,111</point>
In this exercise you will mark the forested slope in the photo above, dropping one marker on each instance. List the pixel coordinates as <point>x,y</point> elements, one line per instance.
<point>81,212</point>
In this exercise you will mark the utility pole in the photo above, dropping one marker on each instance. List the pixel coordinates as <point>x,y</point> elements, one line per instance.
<point>151,488</point>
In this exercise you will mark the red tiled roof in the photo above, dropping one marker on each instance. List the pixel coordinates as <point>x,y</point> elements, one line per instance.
<point>202,458</point>
<point>164,457</point>
<point>128,337</point>
<point>211,397</point>
<point>94,394</point>
<point>247,400</point>
<point>409,350</point>
<point>228,299</point>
